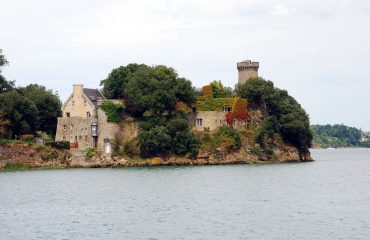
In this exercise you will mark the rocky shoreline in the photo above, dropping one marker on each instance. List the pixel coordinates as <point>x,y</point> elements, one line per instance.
<point>30,157</point>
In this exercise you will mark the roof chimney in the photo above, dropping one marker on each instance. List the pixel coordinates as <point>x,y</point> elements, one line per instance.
<point>77,90</point>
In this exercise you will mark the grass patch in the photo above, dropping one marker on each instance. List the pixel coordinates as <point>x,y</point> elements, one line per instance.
<point>16,166</point>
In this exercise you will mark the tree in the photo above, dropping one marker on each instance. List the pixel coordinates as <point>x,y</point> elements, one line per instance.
<point>47,103</point>
<point>155,141</point>
<point>21,112</point>
<point>292,121</point>
<point>4,123</point>
<point>157,89</point>
<point>219,91</point>
<point>5,85</point>
<point>114,85</point>
<point>182,139</point>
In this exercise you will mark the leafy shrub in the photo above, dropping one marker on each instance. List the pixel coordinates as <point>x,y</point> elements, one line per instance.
<point>49,154</point>
<point>132,148</point>
<point>61,145</point>
<point>27,138</point>
<point>230,138</point>
<point>256,151</point>
<point>113,111</point>
<point>89,152</point>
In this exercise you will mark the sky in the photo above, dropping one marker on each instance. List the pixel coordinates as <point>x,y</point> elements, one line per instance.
<point>317,50</point>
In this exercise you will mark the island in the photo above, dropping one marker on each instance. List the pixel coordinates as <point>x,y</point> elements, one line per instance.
<point>149,116</point>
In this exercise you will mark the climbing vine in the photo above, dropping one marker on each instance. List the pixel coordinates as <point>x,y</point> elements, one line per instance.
<point>239,111</point>
<point>113,110</point>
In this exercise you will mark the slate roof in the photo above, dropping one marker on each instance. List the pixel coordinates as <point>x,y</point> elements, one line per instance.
<point>93,94</point>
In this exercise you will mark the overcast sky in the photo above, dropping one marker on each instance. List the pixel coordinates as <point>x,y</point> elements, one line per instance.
<point>318,50</point>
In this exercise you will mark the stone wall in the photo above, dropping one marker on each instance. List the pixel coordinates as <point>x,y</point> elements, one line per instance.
<point>78,105</point>
<point>75,130</point>
<point>107,131</point>
<point>210,119</point>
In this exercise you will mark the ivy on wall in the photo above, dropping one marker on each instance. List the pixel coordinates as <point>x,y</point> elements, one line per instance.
<point>239,111</point>
<point>113,110</point>
<point>213,104</point>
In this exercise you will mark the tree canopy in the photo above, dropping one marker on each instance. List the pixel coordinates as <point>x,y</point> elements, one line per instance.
<point>47,103</point>
<point>21,112</point>
<point>114,85</point>
<point>291,120</point>
<point>157,89</point>
<point>5,85</point>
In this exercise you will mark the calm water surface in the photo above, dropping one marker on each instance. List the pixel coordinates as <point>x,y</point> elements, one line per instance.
<point>326,199</point>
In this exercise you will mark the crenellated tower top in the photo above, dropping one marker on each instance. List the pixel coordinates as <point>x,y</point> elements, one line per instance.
<point>247,69</point>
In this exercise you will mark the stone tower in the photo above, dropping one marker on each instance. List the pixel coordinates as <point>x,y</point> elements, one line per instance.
<point>247,69</point>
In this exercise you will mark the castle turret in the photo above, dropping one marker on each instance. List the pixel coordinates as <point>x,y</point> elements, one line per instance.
<point>247,69</point>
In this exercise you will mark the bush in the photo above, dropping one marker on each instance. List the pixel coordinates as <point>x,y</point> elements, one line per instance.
<point>155,141</point>
<point>256,151</point>
<point>89,152</point>
<point>61,145</point>
<point>132,148</point>
<point>27,138</point>
<point>229,138</point>
<point>49,154</point>
<point>113,111</point>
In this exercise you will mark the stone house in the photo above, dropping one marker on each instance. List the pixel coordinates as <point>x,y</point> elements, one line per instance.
<point>83,123</point>
<point>210,116</point>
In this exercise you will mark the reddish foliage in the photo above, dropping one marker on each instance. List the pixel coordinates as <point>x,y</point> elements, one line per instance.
<point>207,91</point>
<point>239,111</point>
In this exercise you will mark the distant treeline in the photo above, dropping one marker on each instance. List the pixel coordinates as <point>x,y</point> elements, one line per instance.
<point>337,135</point>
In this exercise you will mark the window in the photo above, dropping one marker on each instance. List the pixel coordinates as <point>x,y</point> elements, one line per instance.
<point>68,114</point>
<point>199,122</point>
<point>64,127</point>
<point>71,126</point>
<point>227,109</point>
<point>234,123</point>
<point>73,103</point>
<point>64,138</point>
<point>88,114</point>
<point>85,102</point>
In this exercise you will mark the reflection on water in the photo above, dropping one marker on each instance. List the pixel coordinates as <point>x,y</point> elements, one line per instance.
<point>326,199</point>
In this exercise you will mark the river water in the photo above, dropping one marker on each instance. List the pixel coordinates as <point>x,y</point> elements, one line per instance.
<point>325,199</point>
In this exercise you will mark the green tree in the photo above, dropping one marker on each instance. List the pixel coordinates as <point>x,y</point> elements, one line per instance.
<point>157,89</point>
<point>292,121</point>
<point>21,112</point>
<point>47,103</point>
<point>182,139</point>
<point>219,91</point>
<point>155,141</point>
<point>4,123</point>
<point>5,85</point>
<point>114,85</point>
